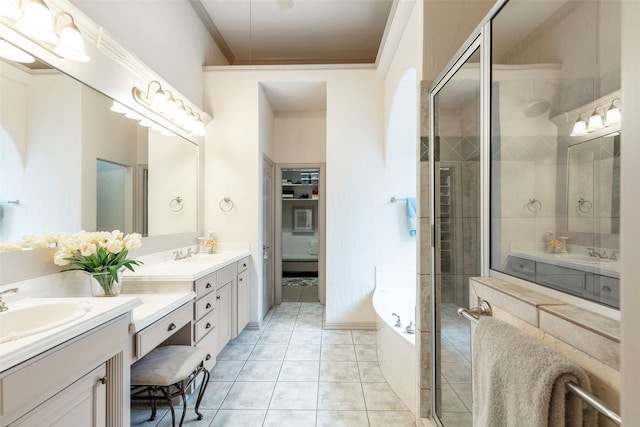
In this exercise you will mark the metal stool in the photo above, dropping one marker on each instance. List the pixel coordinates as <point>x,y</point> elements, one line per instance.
<point>164,368</point>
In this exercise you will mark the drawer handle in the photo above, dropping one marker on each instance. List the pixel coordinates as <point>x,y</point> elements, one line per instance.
<point>208,305</point>
<point>241,279</point>
<point>172,326</point>
<point>207,326</point>
<point>244,264</point>
<point>606,288</point>
<point>218,297</point>
<point>103,380</point>
<point>208,286</point>
<point>208,357</point>
<point>521,267</point>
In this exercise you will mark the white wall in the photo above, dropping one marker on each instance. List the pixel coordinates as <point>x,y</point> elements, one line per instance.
<point>167,36</point>
<point>300,137</point>
<point>401,118</point>
<point>266,125</point>
<point>354,155</point>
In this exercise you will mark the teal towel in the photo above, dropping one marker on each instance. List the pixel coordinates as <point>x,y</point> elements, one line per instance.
<point>411,215</point>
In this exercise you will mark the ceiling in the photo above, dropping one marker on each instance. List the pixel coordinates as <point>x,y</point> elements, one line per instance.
<point>309,32</point>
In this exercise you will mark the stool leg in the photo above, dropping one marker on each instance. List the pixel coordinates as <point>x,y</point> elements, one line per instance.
<point>184,401</point>
<point>203,387</point>
<point>152,403</point>
<point>167,394</point>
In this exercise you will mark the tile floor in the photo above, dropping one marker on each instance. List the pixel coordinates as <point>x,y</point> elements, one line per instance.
<point>455,368</point>
<point>294,373</point>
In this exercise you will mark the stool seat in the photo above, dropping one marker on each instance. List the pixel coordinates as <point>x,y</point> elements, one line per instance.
<point>166,368</point>
<point>167,365</point>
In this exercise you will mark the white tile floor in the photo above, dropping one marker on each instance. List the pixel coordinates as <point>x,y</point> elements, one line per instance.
<point>294,373</point>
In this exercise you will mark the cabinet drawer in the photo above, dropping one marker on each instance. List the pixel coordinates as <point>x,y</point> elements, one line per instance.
<point>205,325</point>
<point>561,278</point>
<point>149,338</point>
<point>522,268</point>
<point>209,344</point>
<point>243,264</point>
<point>206,284</point>
<point>227,274</point>
<point>608,290</point>
<point>205,305</point>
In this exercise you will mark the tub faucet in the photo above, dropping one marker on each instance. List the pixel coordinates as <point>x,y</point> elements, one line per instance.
<point>398,324</point>
<point>3,306</point>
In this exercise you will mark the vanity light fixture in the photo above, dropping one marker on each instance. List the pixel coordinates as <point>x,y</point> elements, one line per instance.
<point>10,9</point>
<point>70,45</point>
<point>595,121</point>
<point>37,24</point>
<point>579,127</point>
<point>163,103</point>
<point>613,115</point>
<point>12,53</point>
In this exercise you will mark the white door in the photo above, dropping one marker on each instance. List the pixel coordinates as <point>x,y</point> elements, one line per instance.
<point>267,234</point>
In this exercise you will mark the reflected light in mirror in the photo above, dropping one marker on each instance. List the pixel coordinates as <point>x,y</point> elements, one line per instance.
<point>595,121</point>
<point>579,127</point>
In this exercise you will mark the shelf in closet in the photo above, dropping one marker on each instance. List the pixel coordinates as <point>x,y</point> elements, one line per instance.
<point>299,185</point>
<point>297,200</point>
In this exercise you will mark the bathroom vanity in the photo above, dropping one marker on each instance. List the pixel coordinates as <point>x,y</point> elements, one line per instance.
<point>587,277</point>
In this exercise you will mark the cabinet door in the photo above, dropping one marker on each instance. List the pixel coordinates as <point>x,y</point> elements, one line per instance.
<point>224,315</point>
<point>83,403</point>
<point>243,300</point>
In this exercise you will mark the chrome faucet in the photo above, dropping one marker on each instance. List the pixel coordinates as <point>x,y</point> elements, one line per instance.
<point>595,254</point>
<point>3,306</point>
<point>398,324</point>
<point>179,255</point>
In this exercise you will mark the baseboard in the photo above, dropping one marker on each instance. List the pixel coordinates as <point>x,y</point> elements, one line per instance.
<point>368,326</point>
<point>426,422</point>
<point>252,325</point>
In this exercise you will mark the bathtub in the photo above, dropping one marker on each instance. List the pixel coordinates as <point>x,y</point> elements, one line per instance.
<point>397,348</point>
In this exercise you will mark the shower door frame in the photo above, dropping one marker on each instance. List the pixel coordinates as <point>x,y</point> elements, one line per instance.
<point>478,41</point>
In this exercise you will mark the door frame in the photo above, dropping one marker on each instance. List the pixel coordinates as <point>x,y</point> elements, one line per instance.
<point>267,161</point>
<point>277,253</point>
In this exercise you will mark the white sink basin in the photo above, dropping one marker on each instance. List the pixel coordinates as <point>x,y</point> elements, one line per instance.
<point>38,317</point>
<point>206,258</point>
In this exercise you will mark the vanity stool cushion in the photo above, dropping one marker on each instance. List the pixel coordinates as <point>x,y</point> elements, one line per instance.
<point>166,365</point>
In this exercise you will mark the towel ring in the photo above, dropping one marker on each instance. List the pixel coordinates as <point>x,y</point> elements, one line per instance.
<point>534,205</point>
<point>226,201</point>
<point>584,206</point>
<point>176,204</point>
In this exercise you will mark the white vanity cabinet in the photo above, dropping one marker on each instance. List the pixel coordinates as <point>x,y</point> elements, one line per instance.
<point>77,383</point>
<point>244,294</point>
<point>205,317</point>
<point>226,299</point>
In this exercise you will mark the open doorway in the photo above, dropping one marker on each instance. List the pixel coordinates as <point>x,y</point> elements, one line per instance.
<point>300,233</point>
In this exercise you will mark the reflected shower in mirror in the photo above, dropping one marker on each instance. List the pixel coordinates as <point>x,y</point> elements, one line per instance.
<point>74,164</point>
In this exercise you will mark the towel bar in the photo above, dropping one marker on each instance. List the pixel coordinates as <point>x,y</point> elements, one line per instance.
<point>484,309</point>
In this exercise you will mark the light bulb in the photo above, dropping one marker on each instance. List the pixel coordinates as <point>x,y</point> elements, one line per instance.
<point>613,115</point>
<point>579,127</point>
<point>10,9</point>
<point>71,45</point>
<point>36,22</point>
<point>595,122</point>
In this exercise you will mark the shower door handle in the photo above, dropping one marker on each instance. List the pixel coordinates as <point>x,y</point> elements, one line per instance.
<point>265,251</point>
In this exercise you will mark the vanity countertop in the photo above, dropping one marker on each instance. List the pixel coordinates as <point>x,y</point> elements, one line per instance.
<point>188,269</point>
<point>100,310</point>
<point>604,267</point>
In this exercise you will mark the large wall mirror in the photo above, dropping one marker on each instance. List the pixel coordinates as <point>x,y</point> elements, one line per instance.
<point>556,146</point>
<point>68,162</point>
